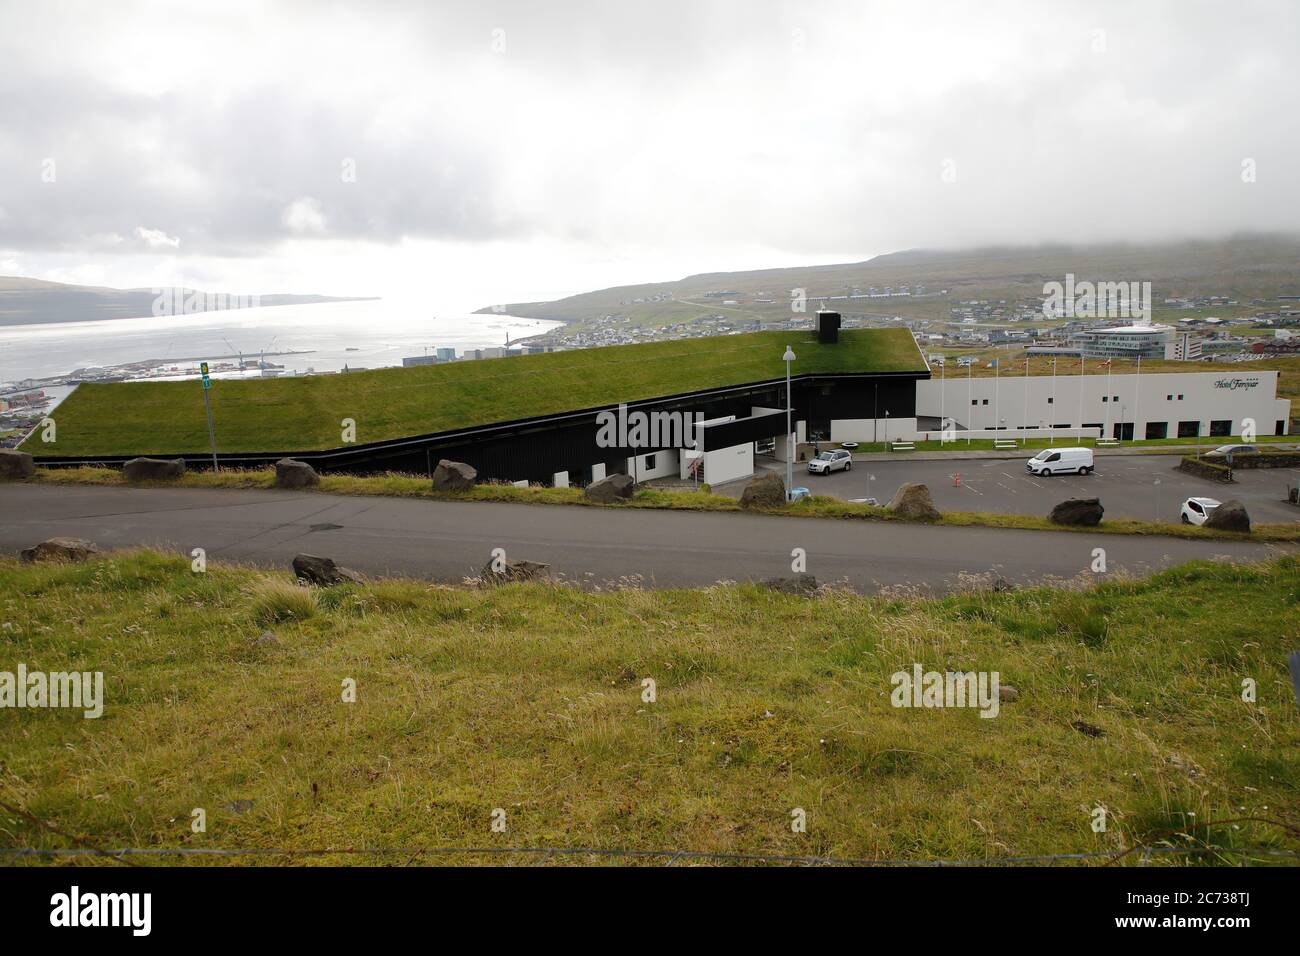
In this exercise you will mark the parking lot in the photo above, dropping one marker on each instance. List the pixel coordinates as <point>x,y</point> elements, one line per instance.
<point>1129,486</point>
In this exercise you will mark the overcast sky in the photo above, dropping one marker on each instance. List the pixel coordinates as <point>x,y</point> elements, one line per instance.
<point>506,150</point>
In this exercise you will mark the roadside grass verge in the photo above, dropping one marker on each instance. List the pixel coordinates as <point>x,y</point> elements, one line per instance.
<point>818,506</point>
<point>529,698</point>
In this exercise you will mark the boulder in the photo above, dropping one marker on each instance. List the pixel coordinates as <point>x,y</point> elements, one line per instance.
<point>454,476</point>
<point>323,571</point>
<point>16,464</point>
<point>61,549</point>
<point>913,500</point>
<point>290,473</point>
<point>1229,516</point>
<point>765,491</point>
<point>1078,511</point>
<point>513,571</point>
<point>801,585</point>
<point>611,489</point>
<point>153,469</point>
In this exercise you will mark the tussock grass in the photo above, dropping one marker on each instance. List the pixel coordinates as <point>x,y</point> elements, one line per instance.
<point>818,506</point>
<point>528,697</point>
<point>277,601</point>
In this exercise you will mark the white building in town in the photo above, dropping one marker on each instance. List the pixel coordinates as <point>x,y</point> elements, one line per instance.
<point>1142,406</point>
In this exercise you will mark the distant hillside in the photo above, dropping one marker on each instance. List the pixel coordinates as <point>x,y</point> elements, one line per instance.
<point>34,301</point>
<point>1243,267</point>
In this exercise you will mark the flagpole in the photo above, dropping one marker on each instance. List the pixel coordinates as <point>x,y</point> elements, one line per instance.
<point>1109,394</point>
<point>1051,439</point>
<point>1024,421</point>
<point>1137,397</point>
<point>969,404</point>
<point>1079,435</point>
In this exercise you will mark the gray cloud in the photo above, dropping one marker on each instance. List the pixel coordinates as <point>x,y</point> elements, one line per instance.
<point>805,128</point>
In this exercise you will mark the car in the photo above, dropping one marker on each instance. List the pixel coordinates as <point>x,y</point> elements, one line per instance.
<point>828,461</point>
<point>1060,461</point>
<point>1197,510</point>
<point>799,493</point>
<point>1223,451</point>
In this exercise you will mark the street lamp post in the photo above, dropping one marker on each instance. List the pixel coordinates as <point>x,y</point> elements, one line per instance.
<point>789,428</point>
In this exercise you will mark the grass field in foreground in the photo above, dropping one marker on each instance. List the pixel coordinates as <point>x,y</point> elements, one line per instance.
<point>305,413</point>
<point>528,698</point>
<point>818,506</point>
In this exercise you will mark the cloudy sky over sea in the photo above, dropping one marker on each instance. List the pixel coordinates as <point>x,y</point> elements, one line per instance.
<point>496,151</point>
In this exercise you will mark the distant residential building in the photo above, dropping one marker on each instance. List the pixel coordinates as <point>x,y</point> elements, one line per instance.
<point>1183,347</point>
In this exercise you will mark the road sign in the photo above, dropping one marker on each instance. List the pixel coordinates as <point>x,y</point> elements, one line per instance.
<point>207,407</point>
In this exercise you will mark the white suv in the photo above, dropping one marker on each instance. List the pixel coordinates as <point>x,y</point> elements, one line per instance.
<point>828,461</point>
<point>1196,510</point>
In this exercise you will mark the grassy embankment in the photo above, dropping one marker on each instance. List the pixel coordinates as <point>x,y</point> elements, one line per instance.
<point>306,413</point>
<point>529,698</point>
<point>818,506</point>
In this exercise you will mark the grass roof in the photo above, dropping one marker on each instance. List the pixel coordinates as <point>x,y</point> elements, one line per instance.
<point>305,413</point>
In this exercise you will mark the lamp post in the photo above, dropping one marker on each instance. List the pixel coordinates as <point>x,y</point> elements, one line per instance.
<point>789,436</point>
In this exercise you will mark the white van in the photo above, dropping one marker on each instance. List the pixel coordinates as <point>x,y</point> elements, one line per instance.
<point>1061,461</point>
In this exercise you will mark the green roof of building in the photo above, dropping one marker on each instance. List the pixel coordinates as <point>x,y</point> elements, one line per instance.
<point>305,413</point>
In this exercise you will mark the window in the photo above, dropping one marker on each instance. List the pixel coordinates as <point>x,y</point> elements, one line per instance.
<point>1169,398</point>
<point>1105,398</point>
<point>1051,400</point>
<point>974,401</point>
<point>1180,398</point>
<point>1189,429</point>
<point>1280,427</point>
<point>986,401</point>
<point>1221,427</point>
<point>649,462</point>
<point>1114,398</point>
<point>1157,430</point>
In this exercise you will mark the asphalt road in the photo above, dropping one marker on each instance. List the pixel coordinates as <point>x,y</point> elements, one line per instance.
<point>446,541</point>
<point>1126,485</point>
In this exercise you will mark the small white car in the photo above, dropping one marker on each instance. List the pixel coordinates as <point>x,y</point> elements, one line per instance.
<point>1060,461</point>
<point>1196,510</point>
<point>828,461</point>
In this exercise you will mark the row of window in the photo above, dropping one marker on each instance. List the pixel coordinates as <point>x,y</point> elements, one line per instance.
<point>1052,401</point>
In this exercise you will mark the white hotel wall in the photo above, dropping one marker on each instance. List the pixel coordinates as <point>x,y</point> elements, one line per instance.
<point>1142,399</point>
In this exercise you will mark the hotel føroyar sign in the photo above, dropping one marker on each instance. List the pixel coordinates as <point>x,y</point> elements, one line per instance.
<point>1232,384</point>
